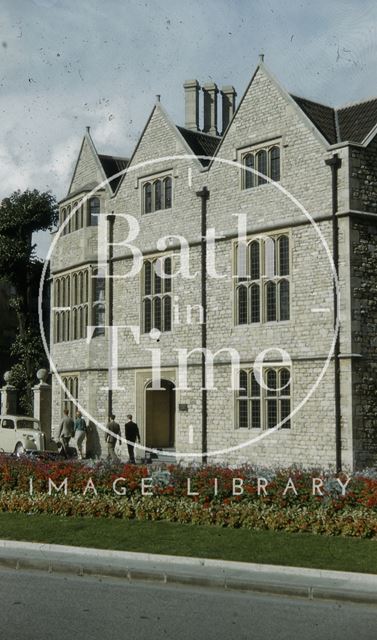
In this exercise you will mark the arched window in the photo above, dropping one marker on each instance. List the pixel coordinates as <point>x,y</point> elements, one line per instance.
<point>75,292</point>
<point>284,299</point>
<point>249,175</point>
<point>62,220</point>
<point>147,197</point>
<point>271,399</point>
<point>168,192</point>
<point>167,269</point>
<point>147,278</point>
<point>80,289</point>
<point>262,165</point>
<point>254,303</point>
<point>274,156</point>
<point>270,301</point>
<point>157,195</point>
<point>242,304</point>
<point>269,258</point>
<point>283,256</point>
<point>57,292</point>
<point>285,400</point>
<point>157,317</point>
<point>147,313</point>
<point>254,260</point>
<point>167,313</point>
<point>243,413</point>
<point>94,211</point>
<point>157,281</point>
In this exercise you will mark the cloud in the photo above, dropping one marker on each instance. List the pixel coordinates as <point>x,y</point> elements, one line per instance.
<point>65,65</point>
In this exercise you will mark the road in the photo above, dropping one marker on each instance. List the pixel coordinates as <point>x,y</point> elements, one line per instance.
<point>42,606</point>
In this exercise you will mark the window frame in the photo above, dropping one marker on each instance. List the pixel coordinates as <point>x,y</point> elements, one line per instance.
<point>152,180</point>
<point>253,150</point>
<point>263,279</point>
<point>264,397</point>
<point>162,295</point>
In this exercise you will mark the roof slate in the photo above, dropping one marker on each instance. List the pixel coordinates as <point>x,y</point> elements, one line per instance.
<point>111,166</point>
<point>200,143</point>
<point>353,122</point>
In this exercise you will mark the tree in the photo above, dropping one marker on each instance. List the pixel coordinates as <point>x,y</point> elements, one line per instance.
<point>21,215</point>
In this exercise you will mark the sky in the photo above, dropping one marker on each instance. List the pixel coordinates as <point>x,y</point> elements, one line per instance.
<point>66,64</point>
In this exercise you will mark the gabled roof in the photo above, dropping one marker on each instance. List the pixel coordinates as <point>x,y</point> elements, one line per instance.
<point>112,165</point>
<point>352,123</point>
<point>202,144</point>
<point>357,121</point>
<point>322,117</point>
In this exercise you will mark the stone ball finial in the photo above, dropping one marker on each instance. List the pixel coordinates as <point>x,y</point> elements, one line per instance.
<point>42,375</point>
<point>7,377</point>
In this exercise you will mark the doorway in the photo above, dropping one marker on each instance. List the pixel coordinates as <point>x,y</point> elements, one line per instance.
<point>160,415</point>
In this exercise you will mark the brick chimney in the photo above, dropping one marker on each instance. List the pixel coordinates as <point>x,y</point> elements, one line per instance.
<point>192,89</point>
<point>228,95</point>
<point>210,92</point>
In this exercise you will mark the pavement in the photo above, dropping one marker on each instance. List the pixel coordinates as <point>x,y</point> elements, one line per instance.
<point>313,584</point>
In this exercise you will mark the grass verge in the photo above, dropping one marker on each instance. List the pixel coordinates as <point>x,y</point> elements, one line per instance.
<point>267,547</point>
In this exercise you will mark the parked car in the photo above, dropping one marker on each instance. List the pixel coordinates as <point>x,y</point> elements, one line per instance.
<point>21,434</point>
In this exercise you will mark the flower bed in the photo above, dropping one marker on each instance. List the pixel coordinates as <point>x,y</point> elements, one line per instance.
<point>293,500</point>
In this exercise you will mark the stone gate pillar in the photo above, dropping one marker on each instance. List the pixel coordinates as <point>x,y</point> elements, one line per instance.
<point>8,397</point>
<point>42,403</point>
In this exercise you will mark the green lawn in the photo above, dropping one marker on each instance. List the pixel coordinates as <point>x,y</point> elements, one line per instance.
<point>268,547</point>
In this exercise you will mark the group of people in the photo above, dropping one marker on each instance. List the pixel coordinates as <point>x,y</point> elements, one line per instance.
<point>77,428</point>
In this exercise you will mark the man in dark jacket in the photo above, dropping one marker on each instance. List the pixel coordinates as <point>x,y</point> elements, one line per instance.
<point>112,438</point>
<point>132,434</point>
<point>66,431</point>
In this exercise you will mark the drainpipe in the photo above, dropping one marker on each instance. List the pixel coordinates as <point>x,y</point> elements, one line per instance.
<point>335,163</point>
<point>110,271</point>
<point>204,195</point>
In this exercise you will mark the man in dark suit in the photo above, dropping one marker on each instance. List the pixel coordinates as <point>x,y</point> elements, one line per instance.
<point>132,434</point>
<point>112,437</point>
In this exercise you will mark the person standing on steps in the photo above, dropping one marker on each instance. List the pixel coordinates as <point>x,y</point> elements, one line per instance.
<point>112,438</point>
<point>80,433</point>
<point>132,434</point>
<point>66,431</point>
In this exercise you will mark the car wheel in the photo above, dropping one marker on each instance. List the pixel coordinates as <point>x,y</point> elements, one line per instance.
<point>20,449</point>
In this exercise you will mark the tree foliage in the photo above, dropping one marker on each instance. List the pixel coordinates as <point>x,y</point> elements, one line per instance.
<point>21,215</point>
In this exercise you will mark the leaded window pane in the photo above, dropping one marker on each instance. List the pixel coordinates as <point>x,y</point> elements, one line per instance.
<point>147,315</point>
<point>284,299</point>
<point>283,256</point>
<point>255,261</point>
<point>243,383</point>
<point>242,305</point>
<point>255,386</point>
<point>167,281</point>
<point>270,301</point>
<point>275,163</point>
<point>147,278</point>
<point>249,176</point>
<point>243,414</point>
<point>147,198</point>
<point>271,381</point>
<point>167,184</point>
<point>255,414</point>
<point>94,211</point>
<point>157,316</point>
<point>254,303</point>
<point>285,410</point>
<point>272,415</point>
<point>262,165</point>
<point>284,383</point>
<point>167,313</point>
<point>157,195</point>
<point>157,282</point>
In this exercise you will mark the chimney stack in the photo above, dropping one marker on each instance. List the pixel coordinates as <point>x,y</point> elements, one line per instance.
<point>210,92</point>
<point>192,89</point>
<point>228,95</point>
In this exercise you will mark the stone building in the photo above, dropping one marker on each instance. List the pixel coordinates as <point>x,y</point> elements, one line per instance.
<point>290,188</point>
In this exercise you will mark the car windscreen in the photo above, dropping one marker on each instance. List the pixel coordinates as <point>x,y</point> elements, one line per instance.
<point>28,424</point>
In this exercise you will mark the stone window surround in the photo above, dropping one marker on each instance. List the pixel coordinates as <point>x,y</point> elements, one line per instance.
<point>90,302</point>
<point>72,382</point>
<point>152,178</point>
<point>72,203</point>
<point>264,396</point>
<point>152,258</point>
<point>254,147</point>
<point>262,320</point>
